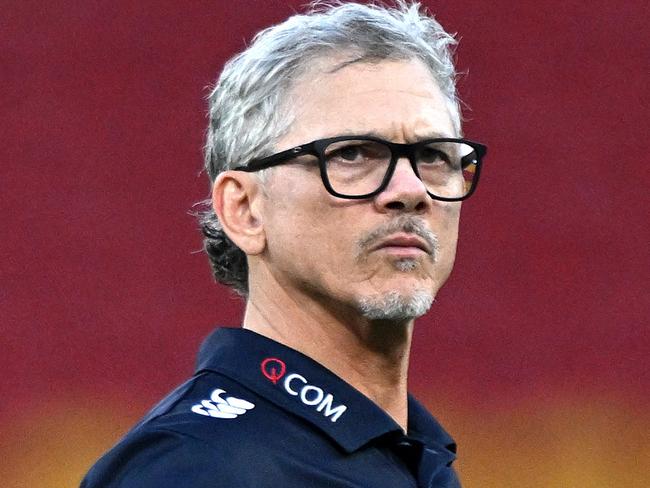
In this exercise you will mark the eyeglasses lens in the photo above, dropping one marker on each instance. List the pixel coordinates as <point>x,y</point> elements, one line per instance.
<point>359,167</point>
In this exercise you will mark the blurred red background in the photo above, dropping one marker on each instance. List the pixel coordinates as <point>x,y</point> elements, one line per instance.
<point>535,354</point>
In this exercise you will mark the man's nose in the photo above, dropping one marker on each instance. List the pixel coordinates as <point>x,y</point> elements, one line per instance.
<point>405,191</point>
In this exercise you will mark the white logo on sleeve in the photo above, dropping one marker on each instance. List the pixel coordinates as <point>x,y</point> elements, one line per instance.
<point>222,408</point>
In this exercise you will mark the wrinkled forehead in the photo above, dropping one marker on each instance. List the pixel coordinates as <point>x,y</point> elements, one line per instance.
<point>394,98</point>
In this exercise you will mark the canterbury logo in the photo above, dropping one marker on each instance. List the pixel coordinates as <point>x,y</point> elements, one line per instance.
<point>222,408</point>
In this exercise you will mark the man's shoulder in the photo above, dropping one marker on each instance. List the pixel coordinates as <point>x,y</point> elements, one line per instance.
<point>189,439</point>
<point>209,407</point>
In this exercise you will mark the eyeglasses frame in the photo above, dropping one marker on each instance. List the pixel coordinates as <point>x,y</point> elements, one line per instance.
<point>398,150</point>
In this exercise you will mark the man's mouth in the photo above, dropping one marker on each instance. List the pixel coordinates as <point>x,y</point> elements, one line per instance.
<point>404,238</point>
<point>403,245</point>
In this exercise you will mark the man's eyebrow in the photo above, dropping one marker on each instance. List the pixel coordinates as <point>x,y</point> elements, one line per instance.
<point>420,137</point>
<point>436,135</point>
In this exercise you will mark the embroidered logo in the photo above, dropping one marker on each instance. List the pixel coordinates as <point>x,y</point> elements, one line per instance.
<point>222,408</point>
<point>298,386</point>
<point>273,369</point>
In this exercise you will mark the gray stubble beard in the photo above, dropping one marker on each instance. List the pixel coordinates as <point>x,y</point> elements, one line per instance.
<point>396,307</point>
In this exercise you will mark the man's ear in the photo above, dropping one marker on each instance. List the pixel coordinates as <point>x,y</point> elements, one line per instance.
<point>236,201</point>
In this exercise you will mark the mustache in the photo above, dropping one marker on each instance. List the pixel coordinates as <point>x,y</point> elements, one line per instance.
<point>407,224</point>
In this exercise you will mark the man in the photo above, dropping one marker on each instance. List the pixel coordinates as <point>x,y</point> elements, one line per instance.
<point>337,175</point>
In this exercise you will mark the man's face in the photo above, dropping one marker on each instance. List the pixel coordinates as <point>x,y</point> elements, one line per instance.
<point>382,257</point>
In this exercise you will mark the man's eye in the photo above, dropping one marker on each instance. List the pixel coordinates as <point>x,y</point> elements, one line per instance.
<point>358,152</point>
<point>432,155</point>
<point>348,153</point>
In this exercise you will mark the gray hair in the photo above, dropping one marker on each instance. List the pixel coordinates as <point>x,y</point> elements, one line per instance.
<point>248,110</point>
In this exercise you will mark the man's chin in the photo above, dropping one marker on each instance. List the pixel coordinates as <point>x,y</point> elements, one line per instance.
<point>395,306</point>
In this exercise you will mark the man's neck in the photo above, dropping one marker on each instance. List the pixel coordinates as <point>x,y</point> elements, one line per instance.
<point>371,356</point>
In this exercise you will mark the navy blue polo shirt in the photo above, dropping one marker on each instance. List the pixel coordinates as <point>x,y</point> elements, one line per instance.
<point>259,414</point>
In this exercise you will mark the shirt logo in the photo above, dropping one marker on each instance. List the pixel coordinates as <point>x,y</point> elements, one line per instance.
<point>273,369</point>
<point>222,408</point>
<point>297,385</point>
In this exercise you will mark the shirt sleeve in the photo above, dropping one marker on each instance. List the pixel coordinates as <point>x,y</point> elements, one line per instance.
<point>159,459</point>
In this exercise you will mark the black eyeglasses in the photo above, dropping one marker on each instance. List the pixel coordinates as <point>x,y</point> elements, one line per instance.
<point>358,167</point>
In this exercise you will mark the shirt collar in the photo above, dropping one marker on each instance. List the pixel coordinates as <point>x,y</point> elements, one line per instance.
<point>298,384</point>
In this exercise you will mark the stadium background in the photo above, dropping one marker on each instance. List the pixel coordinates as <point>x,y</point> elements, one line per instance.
<point>535,355</point>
